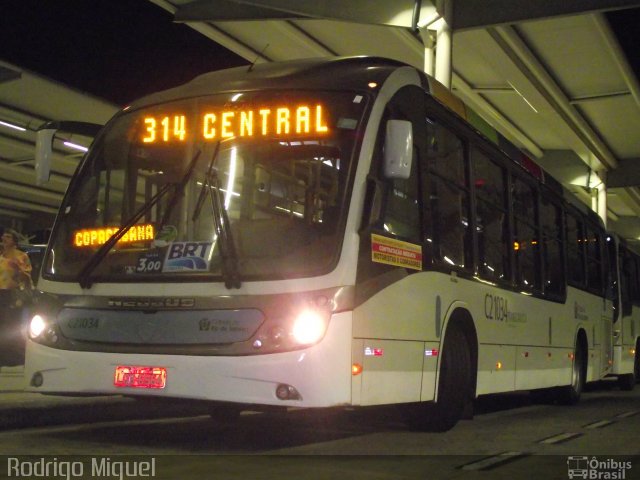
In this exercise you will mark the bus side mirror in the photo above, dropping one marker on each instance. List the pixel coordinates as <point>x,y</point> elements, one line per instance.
<point>44,152</point>
<point>398,149</point>
<point>44,142</point>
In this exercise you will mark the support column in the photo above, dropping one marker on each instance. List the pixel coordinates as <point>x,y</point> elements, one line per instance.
<point>443,55</point>
<point>602,203</point>
<point>429,41</point>
<point>438,43</point>
<point>444,43</point>
<point>599,196</point>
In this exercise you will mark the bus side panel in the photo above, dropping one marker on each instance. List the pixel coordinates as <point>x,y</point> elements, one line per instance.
<point>496,369</point>
<point>429,371</point>
<point>357,358</point>
<point>392,371</point>
<point>624,348</point>
<point>592,314</point>
<point>622,361</point>
<point>542,367</point>
<point>390,328</point>
<point>524,342</point>
<point>593,368</point>
<point>404,310</point>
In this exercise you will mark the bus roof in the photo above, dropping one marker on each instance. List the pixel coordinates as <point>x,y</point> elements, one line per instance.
<point>335,73</point>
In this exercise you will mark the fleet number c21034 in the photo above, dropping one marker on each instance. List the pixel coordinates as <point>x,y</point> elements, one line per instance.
<point>495,308</point>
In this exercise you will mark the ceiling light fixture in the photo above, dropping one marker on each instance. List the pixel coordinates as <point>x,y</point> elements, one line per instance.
<point>76,146</point>
<point>11,125</point>
<point>523,97</point>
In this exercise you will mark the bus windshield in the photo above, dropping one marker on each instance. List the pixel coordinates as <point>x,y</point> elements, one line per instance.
<point>250,185</point>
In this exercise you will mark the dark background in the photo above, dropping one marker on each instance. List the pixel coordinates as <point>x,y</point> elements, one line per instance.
<point>118,50</point>
<point>123,49</point>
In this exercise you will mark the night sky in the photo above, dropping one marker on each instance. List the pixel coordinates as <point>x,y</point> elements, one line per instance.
<point>626,25</point>
<point>123,49</point>
<point>115,49</point>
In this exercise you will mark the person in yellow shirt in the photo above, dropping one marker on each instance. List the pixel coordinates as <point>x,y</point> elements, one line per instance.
<point>15,276</point>
<point>15,267</point>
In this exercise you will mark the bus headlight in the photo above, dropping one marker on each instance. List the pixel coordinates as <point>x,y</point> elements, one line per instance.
<point>301,326</point>
<point>308,327</point>
<point>37,326</point>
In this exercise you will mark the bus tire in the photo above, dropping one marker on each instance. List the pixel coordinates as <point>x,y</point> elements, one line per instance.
<point>454,388</point>
<point>570,395</point>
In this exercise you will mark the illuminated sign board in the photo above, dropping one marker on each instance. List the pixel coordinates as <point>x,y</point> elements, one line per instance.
<point>94,237</point>
<point>221,124</point>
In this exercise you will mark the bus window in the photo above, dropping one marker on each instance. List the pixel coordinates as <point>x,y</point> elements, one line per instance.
<point>526,237</point>
<point>611,275</point>
<point>402,211</point>
<point>551,221</point>
<point>446,155</point>
<point>594,261</point>
<point>448,198</point>
<point>634,286</point>
<point>575,251</point>
<point>625,283</point>
<point>624,260</point>
<point>393,206</point>
<point>491,217</point>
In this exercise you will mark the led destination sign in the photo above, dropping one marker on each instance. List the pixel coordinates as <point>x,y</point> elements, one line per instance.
<point>93,237</point>
<point>262,121</point>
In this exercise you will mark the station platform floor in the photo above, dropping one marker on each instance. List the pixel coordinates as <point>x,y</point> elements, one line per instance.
<point>20,409</point>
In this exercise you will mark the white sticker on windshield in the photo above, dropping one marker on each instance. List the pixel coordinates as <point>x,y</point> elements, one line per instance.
<point>187,257</point>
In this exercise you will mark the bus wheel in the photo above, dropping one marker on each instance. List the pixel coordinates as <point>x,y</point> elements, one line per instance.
<point>454,389</point>
<point>628,381</point>
<point>570,394</point>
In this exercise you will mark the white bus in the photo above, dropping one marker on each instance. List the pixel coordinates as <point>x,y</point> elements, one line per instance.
<point>318,233</point>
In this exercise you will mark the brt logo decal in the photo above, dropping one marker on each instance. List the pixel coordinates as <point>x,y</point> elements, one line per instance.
<point>187,257</point>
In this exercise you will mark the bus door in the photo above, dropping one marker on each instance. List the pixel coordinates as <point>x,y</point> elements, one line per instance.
<point>616,283</point>
<point>625,326</point>
<point>608,301</point>
<point>390,323</point>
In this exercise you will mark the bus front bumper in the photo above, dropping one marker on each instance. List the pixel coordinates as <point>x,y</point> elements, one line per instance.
<point>320,375</point>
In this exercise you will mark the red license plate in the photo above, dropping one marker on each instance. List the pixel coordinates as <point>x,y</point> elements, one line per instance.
<point>140,377</point>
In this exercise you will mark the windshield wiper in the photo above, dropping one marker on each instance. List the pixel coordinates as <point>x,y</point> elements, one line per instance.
<point>84,277</point>
<point>211,185</point>
<point>205,184</point>
<point>223,230</point>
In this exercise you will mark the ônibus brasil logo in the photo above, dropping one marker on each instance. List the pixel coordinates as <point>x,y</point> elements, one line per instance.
<point>593,468</point>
